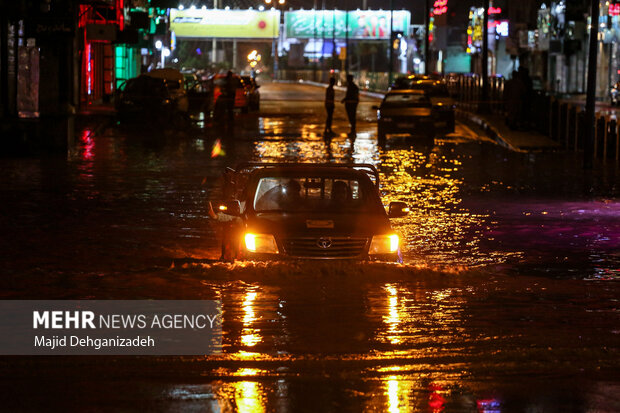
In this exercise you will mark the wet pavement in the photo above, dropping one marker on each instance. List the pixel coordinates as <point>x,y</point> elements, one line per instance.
<point>507,299</point>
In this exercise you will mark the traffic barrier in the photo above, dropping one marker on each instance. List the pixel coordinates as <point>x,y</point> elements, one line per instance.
<point>562,121</point>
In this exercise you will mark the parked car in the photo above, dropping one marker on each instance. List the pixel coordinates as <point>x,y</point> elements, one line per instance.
<point>242,101</point>
<point>406,112</point>
<point>309,211</point>
<point>251,88</point>
<point>437,90</point>
<point>174,81</point>
<point>199,93</point>
<point>144,96</point>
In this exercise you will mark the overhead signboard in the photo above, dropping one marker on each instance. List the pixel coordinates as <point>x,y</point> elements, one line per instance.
<point>200,23</point>
<point>362,24</point>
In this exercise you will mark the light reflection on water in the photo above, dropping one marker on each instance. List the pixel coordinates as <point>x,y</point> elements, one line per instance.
<point>249,336</point>
<point>439,230</point>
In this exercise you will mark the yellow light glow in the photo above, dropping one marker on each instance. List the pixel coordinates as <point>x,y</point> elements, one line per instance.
<point>248,397</point>
<point>393,243</point>
<point>384,244</point>
<point>249,335</point>
<point>261,243</point>
<point>250,242</point>
<point>223,208</point>
<point>393,317</point>
<point>392,392</point>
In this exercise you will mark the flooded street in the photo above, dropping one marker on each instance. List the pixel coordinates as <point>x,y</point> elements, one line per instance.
<point>507,300</point>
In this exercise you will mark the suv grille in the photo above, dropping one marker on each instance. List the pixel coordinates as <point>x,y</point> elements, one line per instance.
<point>325,247</point>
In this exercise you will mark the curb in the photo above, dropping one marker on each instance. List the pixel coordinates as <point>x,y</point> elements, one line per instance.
<point>489,129</point>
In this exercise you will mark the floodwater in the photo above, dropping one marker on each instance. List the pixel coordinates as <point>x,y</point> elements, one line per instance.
<point>507,299</point>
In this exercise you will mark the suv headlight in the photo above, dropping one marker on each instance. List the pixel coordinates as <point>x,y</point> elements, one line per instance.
<point>261,243</point>
<point>384,244</point>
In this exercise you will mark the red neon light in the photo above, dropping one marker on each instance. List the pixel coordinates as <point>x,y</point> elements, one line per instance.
<point>120,13</point>
<point>89,71</point>
<point>614,9</point>
<point>495,10</point>
<point>89,145</point>
<point>440,7</point>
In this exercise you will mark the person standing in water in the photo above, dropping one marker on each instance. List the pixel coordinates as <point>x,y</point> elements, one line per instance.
<point>329,105</point>
<point>351,99</point>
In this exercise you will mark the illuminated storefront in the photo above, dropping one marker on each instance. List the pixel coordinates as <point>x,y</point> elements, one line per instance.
<point>609,46</point>
<point>360,24</point>
<point>199,23</point>
<point>500,61</point>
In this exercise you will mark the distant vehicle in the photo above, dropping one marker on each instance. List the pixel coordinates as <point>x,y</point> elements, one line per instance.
<point>251,88</point>
<point>242,101</point>
<point>614,93</point>
<point>174,81</point>
<point>309,211</point>
<point>199,93</point>
<point>406,112</point>
<point>437,90</point>
<point>145,96</point>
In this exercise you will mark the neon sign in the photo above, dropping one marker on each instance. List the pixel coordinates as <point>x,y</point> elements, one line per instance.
<point>614,9</point>
<point>440,7</point>
<point>495,10</point>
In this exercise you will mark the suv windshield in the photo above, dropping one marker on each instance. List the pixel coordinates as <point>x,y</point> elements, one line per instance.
<point>292,193</point>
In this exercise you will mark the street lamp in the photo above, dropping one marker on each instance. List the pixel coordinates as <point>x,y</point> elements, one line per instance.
<point>274,46</point>
<point>165,52</point>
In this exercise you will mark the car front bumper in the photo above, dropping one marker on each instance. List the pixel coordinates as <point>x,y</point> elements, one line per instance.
<point>415,127</point>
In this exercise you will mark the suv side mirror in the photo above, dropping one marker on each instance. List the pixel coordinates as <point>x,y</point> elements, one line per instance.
<point>229,207</point>
<point>398,209</point>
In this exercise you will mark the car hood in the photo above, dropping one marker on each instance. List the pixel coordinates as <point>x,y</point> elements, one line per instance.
<point>318,224</point>
<point>443,101</point>
<point>406,112</point>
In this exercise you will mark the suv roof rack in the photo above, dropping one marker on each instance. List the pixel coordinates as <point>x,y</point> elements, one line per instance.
<point>366,167</point>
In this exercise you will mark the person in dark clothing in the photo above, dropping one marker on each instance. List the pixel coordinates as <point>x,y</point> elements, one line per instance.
<point>527,95</point>
<point>230,90</point>
<point>351,99</point>
<point>513,100</point>
<point>329,105</point>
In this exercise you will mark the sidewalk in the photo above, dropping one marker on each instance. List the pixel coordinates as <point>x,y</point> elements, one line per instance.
<point>519,141</point>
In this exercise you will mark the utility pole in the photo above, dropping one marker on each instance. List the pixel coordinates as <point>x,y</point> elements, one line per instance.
<point>391,44</point>
<point>314,63</point>
<point>484,104</point>
<point>214,43</point>
<point>427,23</point>
<point>348,52</point>
<point>588,148</point>
<point>323,25</point>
